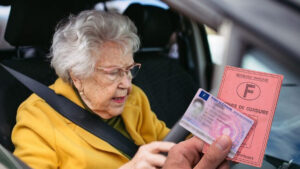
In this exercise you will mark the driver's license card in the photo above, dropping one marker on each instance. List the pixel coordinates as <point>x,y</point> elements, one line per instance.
<point>207,117</point>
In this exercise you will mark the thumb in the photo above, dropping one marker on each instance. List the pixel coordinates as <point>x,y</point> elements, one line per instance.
<point>216,153</point>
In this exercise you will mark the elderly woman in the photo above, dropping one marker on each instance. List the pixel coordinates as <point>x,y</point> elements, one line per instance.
<point>92,53</point>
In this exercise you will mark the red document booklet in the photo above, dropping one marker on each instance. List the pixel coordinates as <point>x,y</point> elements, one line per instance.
<point>255,94</point>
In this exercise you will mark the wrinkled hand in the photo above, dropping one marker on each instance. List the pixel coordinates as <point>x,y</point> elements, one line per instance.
<point>188,155</point>
<point>148,156</point>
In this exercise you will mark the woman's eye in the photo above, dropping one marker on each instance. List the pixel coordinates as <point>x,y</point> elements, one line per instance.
<point>113,73</point>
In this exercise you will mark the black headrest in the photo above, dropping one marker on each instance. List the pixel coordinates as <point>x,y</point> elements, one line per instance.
<point>155,25</point>
<point>32,22</point>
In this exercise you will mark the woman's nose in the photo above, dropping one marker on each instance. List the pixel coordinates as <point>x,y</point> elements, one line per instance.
<point>126,80</point>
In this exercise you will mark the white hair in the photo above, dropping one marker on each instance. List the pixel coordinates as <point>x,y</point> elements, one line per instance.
<point>76,40</point>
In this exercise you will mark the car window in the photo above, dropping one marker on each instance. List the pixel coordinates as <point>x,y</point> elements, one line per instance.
<point>283,144</point>
<point>283,141</point>
<point>216,45</point>
<point>4,12</point>
<point>284,136</point>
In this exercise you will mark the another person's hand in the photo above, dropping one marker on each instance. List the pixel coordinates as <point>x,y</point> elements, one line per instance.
<point>148,156</point>
<point>188,155</point>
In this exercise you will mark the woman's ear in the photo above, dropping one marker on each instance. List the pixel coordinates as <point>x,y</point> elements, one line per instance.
<point>76,82</point>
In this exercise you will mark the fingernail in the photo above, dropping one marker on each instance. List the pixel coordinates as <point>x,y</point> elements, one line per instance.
<point>223,142</point>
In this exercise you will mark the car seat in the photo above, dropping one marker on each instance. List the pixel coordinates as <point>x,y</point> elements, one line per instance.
<point>30,27</point>
<point>12,92</point>
<point>168,86</point>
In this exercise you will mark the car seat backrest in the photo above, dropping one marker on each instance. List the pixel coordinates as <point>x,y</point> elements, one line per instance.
<point>30,27</point>
<point>13,93</point>
<point>168,86</point>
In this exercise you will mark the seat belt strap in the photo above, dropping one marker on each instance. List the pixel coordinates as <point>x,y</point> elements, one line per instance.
<point>83,118</point>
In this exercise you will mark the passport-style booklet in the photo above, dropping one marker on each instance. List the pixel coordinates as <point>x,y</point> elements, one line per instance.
<point>255,94</point>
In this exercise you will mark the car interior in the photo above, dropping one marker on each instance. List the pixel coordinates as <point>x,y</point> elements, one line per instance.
<point>175,54</point>
<point>165,80</point>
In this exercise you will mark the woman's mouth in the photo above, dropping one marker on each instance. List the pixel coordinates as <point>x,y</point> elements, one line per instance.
<point>119,99</point>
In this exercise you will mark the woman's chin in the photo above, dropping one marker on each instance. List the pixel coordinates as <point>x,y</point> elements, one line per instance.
<point>116,111</point>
